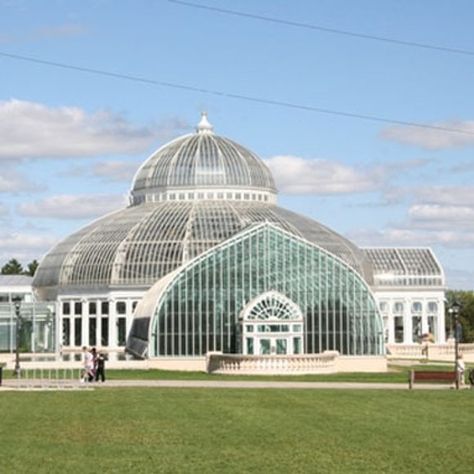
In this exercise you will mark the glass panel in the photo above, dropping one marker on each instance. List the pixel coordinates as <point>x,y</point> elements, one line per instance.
<point>281,345</point>
<point>66,332</point>
<point>104,337</point>
<point>416,329</point>
<point>398,308</point>
<point>264,346</point>
<point>398,321</point>
<point>66,308</point>
<point>250,345</point>
<point>121,307</point>
<point>77,307</point>
<point>92,331</point>
<point>297,345</point>
<point>77,331</point>
<point>121,330</point>
<point>92,307</point>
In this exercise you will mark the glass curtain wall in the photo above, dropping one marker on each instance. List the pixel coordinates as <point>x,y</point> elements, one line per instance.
<point>201,309</point>
<point>37,327</point>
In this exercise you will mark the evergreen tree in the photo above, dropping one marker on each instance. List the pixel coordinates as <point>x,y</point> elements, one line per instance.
<point>31,268</point>
<point>12,267</point>
<point>465,300</point>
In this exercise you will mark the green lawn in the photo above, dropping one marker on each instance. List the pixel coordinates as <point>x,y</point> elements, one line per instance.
<point>396,374</point>
<point>236,431</point>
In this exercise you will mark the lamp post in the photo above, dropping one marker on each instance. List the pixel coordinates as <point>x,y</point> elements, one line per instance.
<point>454,311</point>
<point>17,303</point>
<point>451,332</point>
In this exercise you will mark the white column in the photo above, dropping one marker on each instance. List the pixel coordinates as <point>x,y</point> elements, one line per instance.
<point>391,328</point>
<point>440,321</point>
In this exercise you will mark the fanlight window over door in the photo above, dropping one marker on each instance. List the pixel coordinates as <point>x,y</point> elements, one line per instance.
<point>272,325</point>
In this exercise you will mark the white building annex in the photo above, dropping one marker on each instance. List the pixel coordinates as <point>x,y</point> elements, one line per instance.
<point>204,261</point>
<point>38,325</point>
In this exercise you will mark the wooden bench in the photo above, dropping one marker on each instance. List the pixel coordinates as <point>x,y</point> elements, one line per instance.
<point>430,376</point>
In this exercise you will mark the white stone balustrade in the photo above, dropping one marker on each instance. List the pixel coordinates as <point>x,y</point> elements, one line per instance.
<point>428,350</point>
<point>220,363</point>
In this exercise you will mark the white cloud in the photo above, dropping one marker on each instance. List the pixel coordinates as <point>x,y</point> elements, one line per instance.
<point>403,236</point>
<point>447,195</point>
<point>4,210</point>
<point>460,279</point>
<point>24,246</point>
<point>445,215</point>
<point>12,181</point>
<point>432,139</point>
<point>68,207</point>
<point>295,175</point>
<point>116,170</point>
<point>33,130</point>
<point>438,215</point>
<point>111,170</point>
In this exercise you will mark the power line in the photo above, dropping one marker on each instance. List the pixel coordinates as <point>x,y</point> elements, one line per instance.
<point>310,26</point>
<point>229,95</point>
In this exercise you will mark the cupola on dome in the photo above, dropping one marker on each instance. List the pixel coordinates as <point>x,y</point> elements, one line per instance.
<point>199,166</point>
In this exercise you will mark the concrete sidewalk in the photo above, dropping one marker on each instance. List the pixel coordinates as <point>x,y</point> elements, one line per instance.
<point>10,384</point>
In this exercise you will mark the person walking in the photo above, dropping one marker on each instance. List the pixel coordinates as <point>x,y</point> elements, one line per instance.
<point>100,367</point>
<point>88,371</point>
<point>460,369</point>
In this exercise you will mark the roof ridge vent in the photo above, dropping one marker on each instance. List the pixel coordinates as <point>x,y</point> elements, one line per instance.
<point>204,126</point>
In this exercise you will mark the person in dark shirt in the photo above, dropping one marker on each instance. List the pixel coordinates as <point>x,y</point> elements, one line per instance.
<point>100,367</point>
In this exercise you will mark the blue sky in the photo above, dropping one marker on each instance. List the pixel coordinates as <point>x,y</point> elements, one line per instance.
<point>70,141</point>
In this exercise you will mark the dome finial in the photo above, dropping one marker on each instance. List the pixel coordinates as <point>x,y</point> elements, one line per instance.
<point>204,126</point>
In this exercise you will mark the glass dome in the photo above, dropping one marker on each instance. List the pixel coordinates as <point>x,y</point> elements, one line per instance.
<point>192,194</point>
<point>203,162</point>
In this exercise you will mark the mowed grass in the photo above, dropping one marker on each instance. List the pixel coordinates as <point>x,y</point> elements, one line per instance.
<point>236,431</point>
<point>395,374</point>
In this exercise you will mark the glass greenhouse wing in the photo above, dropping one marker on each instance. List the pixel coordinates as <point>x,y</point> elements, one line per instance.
<point>200,308</point>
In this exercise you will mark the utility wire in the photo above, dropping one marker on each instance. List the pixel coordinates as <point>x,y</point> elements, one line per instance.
<point>310,26</point>
<point>229,95</point>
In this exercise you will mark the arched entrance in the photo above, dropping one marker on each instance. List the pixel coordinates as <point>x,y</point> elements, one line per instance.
<point>272,324</point>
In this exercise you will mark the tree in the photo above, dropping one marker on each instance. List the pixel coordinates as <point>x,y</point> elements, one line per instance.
<point>31,268</point>
<point>12,267</point>
<point>465,299</point>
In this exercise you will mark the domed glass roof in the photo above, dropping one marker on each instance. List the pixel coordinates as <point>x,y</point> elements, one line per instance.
<point>203,161</point>
<point>138,245</point>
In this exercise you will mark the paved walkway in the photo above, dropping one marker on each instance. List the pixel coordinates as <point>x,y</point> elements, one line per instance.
<point>10,384</point>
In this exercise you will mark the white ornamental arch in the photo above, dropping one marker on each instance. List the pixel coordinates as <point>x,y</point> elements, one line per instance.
<point>272,306</point>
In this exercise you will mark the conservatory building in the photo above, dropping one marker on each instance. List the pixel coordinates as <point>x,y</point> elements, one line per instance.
<point>203,262</point>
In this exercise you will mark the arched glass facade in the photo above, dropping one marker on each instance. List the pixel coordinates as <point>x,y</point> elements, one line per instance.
<point>200,309</point>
